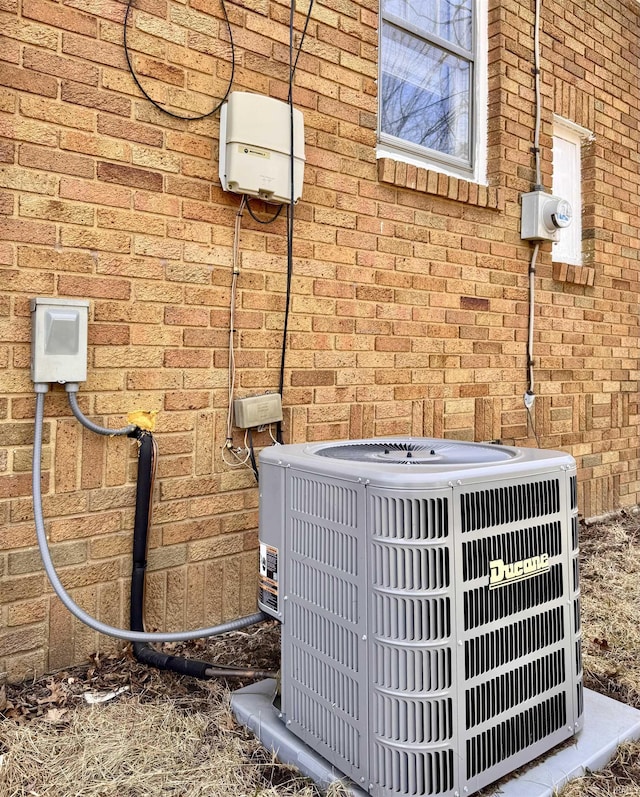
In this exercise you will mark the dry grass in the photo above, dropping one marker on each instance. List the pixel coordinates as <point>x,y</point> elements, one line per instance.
<point>168,736</point>
<point>620,779</point>
<point>131,748</point>
<point>610,570</point>
<point>610,576</point>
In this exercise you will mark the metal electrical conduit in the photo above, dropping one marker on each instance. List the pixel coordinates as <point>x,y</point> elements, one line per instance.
<point>119,633</point>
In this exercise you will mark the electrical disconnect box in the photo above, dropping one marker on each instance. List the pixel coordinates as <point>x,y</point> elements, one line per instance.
<point>255,145</point>
<point>59,340</point>
<point>543,216</point>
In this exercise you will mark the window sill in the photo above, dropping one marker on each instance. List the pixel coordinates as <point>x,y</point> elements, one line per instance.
<point>579,275</point>
<point>404,175</point>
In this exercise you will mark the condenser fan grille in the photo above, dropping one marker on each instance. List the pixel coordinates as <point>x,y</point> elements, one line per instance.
<point>416,452</point>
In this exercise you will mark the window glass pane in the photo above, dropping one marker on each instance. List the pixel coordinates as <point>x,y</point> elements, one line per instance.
<point>449,19</point>
<point>425,94</point>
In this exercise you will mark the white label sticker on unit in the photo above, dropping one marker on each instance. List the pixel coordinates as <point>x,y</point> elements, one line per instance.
<point>261,153</point>
<point>269,576</point>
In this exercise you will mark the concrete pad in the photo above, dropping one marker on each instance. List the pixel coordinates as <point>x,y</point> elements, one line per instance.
<point>253,707</point>
<point>607,724</point>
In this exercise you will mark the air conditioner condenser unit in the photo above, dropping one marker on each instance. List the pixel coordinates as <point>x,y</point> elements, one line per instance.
<point>429,599</point>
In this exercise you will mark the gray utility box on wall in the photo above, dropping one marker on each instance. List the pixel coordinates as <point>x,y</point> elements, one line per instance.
<point>429,599</point>
<point>59,339</point>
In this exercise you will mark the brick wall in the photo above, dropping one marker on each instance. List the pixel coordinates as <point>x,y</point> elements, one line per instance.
<point>409,305</point>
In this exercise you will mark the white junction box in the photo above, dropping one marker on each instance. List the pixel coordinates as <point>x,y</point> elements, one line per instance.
<point>255,144</point>
<point>254,411</point>
<point>59,339</point>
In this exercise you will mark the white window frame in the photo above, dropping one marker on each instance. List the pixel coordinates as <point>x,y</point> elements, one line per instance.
<point>569,186</point>
<point>407,152</point>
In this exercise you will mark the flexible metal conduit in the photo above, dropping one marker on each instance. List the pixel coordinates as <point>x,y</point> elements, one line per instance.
<point>67,600</point>
<point>72,389</point>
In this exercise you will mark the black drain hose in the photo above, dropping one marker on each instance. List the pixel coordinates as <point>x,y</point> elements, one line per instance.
<point>145,653</point>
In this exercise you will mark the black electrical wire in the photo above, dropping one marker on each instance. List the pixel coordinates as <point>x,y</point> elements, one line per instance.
<point>263,221</point>
<point>130,4</point>
<point>302,38</point>
<point>287,307</point>
<point>290,214</point>
<point>143,652</point>
<point>252,454</point>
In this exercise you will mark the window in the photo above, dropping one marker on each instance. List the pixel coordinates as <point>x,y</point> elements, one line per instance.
<point>567,173</point>
<point>432,87</point>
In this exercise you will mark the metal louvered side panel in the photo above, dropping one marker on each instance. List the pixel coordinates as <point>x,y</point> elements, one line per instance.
<point>412,692</point>
<point>515,622</point>
<point>509,643</point>
<point>483,606</point>
<point>320,543</point>
<point>325,729</point>
<point>324,662</point>
<point>324,499</point>
<point>519,733</point>
<point>575,597</point>
<point>407,517</point>
<point>511,546</point>
<point>512,688</point>
<point>510,503</point>
<point>398,771</point>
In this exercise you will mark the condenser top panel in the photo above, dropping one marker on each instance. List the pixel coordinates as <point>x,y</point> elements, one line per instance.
<point>415,462</point>
<point>417,452</point>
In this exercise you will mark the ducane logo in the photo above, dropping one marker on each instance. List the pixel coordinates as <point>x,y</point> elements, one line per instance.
<point>502,574</point>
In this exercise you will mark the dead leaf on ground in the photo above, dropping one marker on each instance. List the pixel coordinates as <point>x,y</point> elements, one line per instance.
<point>55,714</point>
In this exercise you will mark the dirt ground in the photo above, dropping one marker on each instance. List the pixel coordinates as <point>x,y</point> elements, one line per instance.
<point>161,735</point>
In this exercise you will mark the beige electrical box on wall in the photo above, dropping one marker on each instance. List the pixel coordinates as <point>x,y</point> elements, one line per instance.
<point>255,142</point>
<point>252,411</point>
